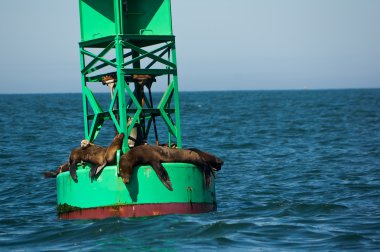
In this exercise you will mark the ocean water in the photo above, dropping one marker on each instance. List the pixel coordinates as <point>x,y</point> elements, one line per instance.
<point>301,173</point>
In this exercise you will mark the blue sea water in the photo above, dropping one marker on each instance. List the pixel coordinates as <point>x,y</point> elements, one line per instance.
<point>301,172</point>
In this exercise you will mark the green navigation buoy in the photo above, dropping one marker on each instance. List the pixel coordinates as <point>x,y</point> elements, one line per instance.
<point>129,46</point>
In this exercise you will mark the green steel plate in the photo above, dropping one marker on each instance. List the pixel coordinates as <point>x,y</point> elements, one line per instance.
<point>144,188</point>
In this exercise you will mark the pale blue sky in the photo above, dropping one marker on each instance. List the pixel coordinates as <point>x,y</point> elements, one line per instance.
<point>221,45</point>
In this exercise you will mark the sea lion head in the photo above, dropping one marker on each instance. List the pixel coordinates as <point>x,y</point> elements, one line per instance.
<point>126,164</point>
<point>117,142</point>
<point>125,174</point>
<point>84,144</point>
<point>110,154</point>
<point>217,164</point>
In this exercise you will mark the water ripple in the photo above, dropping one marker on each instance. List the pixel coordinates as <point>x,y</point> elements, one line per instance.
<point>301,173</point>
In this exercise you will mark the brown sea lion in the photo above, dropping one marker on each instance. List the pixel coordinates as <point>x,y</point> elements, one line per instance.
<point>94,154</point>
<point>110,155</point>
<point>155,155</point>
<point>143,79</point>
<point>91,153</point>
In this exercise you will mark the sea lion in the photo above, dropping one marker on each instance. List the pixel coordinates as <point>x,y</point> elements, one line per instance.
<point>92,153</point>
<point>155,155</point>
<point>143,79</point>
<point>110,155</point>
<point>103,156</point>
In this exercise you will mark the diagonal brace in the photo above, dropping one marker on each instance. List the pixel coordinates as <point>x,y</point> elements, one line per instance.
<point>148,54</point>
<point>97,58</point>
<point>101,59</point>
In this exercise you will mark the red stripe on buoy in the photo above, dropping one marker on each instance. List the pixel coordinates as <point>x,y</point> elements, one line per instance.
<point>139,210</point>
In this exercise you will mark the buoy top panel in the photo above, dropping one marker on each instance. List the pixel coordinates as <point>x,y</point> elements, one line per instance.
<point>102,18</point>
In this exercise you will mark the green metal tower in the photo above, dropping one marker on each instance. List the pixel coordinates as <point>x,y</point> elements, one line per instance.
<point>131,43</point>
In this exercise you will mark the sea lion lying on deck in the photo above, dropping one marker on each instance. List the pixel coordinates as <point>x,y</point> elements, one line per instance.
<point>91,153</point>
<point>94,154</point>
<point>155,155</point>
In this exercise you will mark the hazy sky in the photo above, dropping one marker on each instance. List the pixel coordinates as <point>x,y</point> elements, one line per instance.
<point>221,45</point>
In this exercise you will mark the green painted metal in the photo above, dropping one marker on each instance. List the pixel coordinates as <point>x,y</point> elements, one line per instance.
<point>128,33</point>
<point>100,13</point>
<point>145,187</point>
<point>148,17</point>
<point>152,17</point>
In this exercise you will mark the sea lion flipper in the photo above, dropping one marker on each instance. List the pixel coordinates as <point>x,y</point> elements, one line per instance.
<point>162,175</point>
<point>73,172</point>
<point>92,171</point>
<point>50,174</point>
<point>98,169</point>
<point>207,174</point>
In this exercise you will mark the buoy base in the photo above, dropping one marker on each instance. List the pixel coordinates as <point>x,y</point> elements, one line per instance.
<point>139,210</point>
<point>107,196</point>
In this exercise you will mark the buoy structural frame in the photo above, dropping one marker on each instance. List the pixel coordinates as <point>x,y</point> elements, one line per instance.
<point>128,47</point>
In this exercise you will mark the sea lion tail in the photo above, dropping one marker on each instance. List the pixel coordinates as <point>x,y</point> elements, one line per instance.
<point>162,175</point>
<point>50,174</point>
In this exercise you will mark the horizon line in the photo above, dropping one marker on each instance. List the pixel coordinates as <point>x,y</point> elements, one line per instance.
<point>221,90</point>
